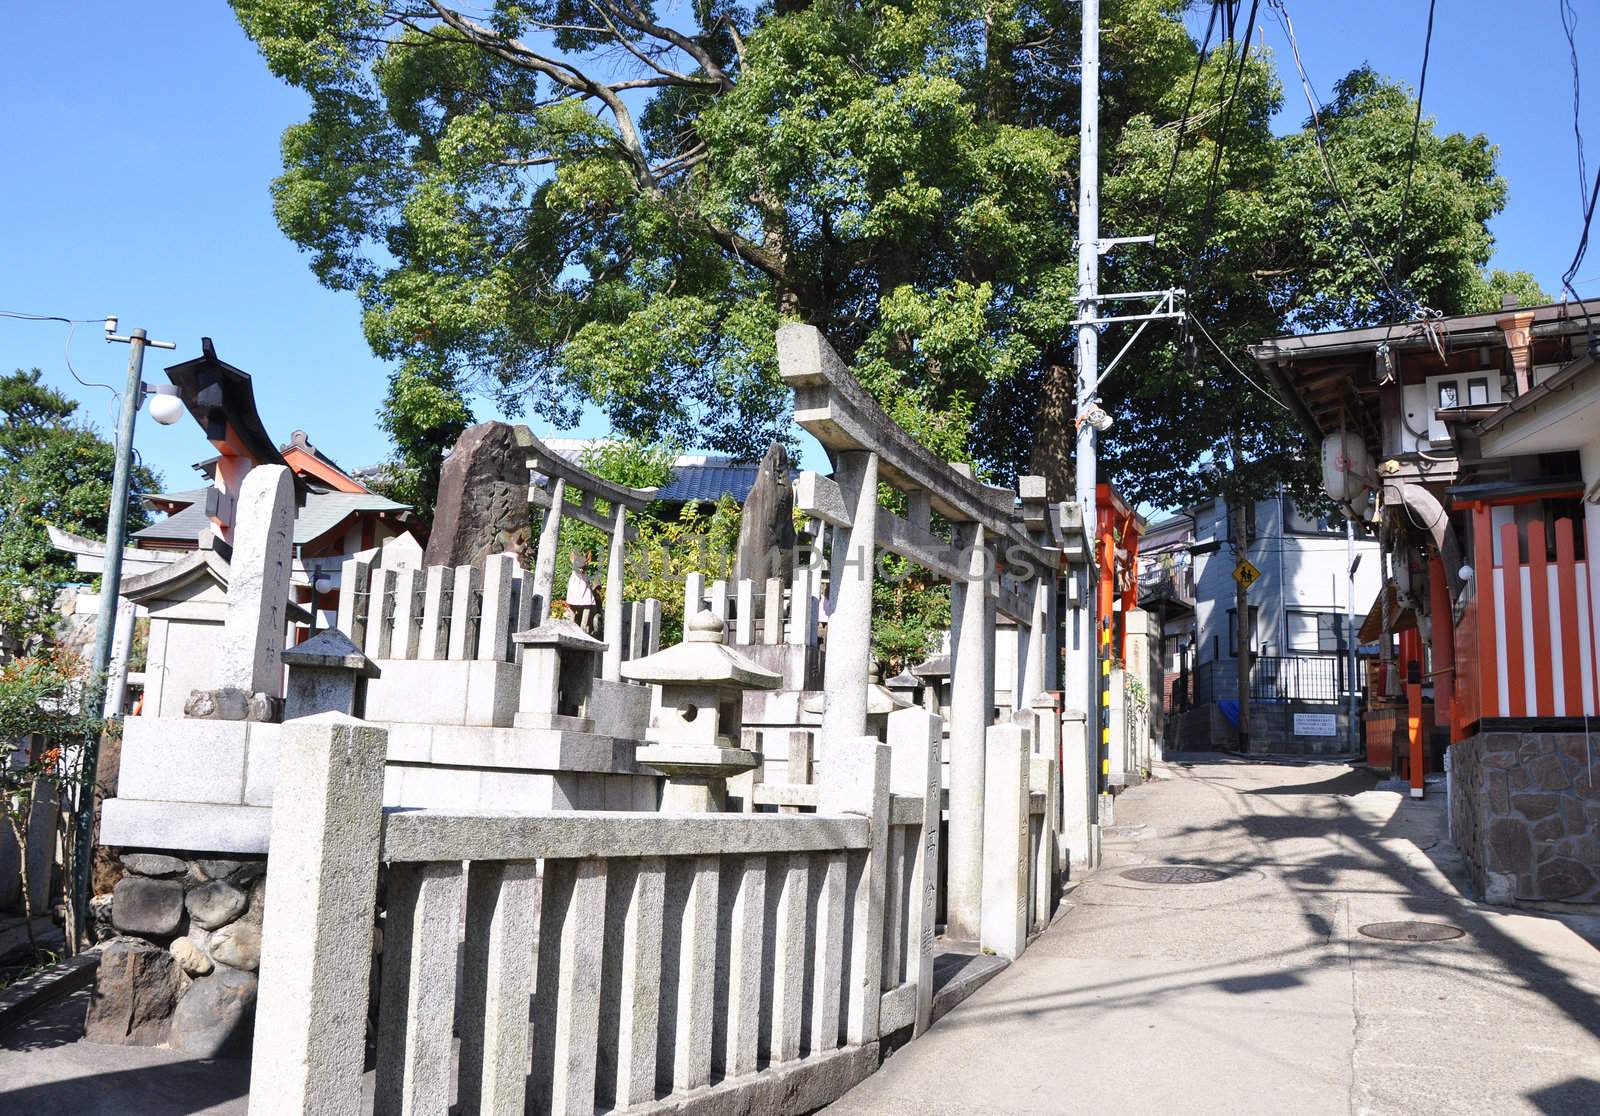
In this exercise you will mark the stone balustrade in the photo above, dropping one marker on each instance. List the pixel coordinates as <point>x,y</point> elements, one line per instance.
<point>682,963</point>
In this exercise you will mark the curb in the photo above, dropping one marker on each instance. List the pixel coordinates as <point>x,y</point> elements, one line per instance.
<point>22,999</point>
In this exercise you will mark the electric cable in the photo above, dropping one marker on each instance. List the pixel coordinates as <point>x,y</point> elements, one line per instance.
<point>1183,124</point>
<point>1223,354</point>
<point>1416,128</point>
<point>71,324</point>
<point>1570,26</point>
<point>1227,116</point>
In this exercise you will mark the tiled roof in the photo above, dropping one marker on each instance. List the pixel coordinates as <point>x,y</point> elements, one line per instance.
<point>708,483</point>
<point>322,512</point>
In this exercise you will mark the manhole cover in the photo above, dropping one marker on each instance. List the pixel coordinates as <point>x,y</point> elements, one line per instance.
<point>1412,931</point>
<point>1173,874</point>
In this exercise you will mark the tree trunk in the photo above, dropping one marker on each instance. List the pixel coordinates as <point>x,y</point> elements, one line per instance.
<point>1055,437</point>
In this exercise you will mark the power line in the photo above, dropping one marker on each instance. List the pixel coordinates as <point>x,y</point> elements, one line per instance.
<point>1242,374</point>
<point>1416,127</point>
<point>1569,24</point>
<point>1227,112</point>
<point>1327,163</point>
<point>1183,123</point>
<point>72,324</point>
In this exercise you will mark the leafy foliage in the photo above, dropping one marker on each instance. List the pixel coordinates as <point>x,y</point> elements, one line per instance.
<point>613,204</point>
<point>53,470</point>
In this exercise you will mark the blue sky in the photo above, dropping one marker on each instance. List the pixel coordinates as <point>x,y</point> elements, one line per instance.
<point>142,138</point>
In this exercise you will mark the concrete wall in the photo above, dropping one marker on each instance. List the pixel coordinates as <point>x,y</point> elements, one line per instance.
<point>1525,813</point>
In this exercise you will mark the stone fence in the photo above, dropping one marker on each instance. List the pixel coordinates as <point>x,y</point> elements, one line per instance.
<point>672,963</point>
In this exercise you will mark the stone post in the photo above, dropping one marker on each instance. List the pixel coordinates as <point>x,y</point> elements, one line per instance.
<point>972,613</point>
<point>544,561</point>
<point>1036,651</point>
<point>316,950</point>
<point>914,736</point>
<point>1006,859</point>
<point>1078,789</point>
<point>855,780</point>
<point>611,661</point>
<point>253,629</point>
<point>849,651</point>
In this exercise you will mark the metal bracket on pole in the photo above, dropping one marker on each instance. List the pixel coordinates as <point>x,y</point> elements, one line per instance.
<point>1166,308</point>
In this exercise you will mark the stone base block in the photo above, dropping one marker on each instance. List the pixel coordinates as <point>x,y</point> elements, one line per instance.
<point>445,692</point>
<point>1525,813</point>
<point>185,825</point>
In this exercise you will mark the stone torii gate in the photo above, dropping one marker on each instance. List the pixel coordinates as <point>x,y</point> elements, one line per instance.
<point>567,479</point>
<point>868,448</point>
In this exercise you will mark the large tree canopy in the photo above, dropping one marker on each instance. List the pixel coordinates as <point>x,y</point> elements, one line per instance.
<point>571,201</point>
<point>54,471</point>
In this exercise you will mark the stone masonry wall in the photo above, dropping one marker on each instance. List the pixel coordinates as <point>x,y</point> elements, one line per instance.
<point>1525,813</point>
<point>179,968</point>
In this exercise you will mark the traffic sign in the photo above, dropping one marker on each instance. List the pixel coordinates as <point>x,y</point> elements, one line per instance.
<point>1245,573</point>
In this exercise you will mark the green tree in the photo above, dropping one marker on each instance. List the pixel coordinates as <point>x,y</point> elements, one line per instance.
<point>53,470</point>
<point>566,203</point>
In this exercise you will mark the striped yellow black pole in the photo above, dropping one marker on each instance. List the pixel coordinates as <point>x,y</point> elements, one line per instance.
<point>1105,704</point>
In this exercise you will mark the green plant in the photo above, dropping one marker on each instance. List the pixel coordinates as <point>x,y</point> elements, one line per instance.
<point>43,733</point>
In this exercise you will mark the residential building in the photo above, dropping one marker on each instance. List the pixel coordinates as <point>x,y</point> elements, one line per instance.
<point>1301,620</point>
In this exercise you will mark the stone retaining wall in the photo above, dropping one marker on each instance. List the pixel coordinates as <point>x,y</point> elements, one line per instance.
<point>180,967</point>
<point>1525,813</point>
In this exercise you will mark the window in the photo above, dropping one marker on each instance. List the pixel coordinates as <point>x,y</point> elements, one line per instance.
<point>1233,632</point>
<point>1477,392</point>
<point>1449,395</point>
<point>1303,631</point>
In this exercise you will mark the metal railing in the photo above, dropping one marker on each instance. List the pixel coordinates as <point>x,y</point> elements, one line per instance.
<point>1275,678</point>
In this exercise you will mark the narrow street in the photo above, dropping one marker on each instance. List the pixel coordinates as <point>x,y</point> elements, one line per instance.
<point>1257,993</point>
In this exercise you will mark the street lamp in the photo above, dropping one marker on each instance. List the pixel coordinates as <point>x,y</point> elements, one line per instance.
<point>166,409</point>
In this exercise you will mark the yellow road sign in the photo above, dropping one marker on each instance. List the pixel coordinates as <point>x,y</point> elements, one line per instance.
<point>1245,573</point>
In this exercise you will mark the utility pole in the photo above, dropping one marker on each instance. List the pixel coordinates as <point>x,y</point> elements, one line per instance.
<point>1089,417</point>
<point>1353,729</point>
<point>1085,474</point>
<point>110,591</point>
<point>1241,605</point>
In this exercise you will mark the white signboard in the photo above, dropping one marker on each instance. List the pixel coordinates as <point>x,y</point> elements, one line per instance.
<point>1316,724</point>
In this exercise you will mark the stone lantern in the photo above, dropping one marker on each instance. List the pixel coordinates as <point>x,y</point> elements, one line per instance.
<point>559,664</point>
<point>695,730</point>
<point>904,686</point>
<point>935,674</point>
<point>327,674</point>
<point>881,701</point>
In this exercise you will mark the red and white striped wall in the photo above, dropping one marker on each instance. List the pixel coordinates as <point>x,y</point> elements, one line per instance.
<point>1525,646</point>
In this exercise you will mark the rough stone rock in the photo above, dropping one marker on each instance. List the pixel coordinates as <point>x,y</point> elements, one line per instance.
<point>190,957</point>
<point>1563,878</point>
<point>483,505</point>
<point>134,992</point>
<point>215,904</point>
<point>152,864</point>
<point>204,871</point>
<point>1535,806</point>
<point>248,873</point>
<point>215,1017</point>
<point>1499,793</point>
<point>1510,847</point>
<point>1548,829</point>
<point>145,906</point>
<point>100,918</point>
<point>766,528</point>
<point>217,705</point>
<point>1547,773</point>
<point>264,707</point>
<point>238,944</point>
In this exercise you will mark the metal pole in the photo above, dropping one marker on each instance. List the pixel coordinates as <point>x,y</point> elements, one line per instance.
<point>1351,664</point>
<point>110,591</point>
<point>1088,362</point>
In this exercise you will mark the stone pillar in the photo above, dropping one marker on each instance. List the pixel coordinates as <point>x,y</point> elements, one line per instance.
<point>849,650</point>
<point>316,952</point>
<point>1053,630</point>
<point>611,661</point>
<point>914,737</point>
<point>1036,650</point>
<point>253,629</point>
<point>544,562</point>
<point>1077,789</point>
<point>857,782</point>
<point>121,647</point>
<point>972,615</point>
<point>1006,859</point>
